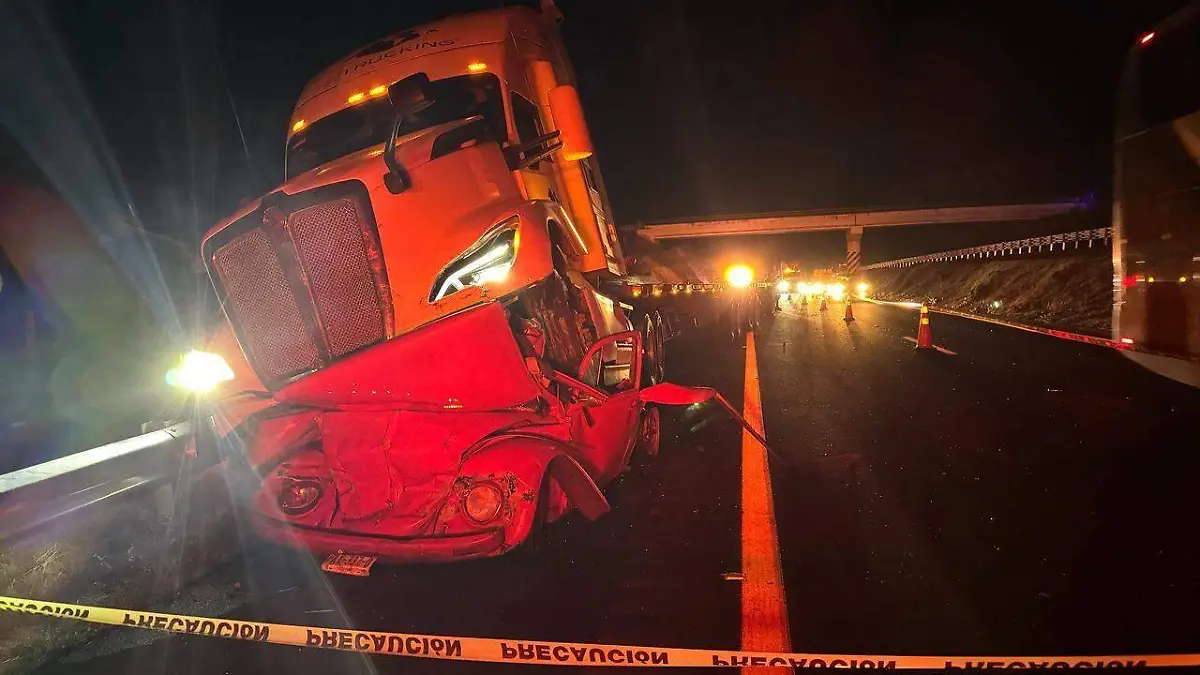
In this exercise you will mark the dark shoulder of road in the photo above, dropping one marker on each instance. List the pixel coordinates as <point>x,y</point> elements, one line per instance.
<point>1026,495</point>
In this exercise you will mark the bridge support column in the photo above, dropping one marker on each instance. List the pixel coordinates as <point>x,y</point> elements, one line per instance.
<point>854,237</point>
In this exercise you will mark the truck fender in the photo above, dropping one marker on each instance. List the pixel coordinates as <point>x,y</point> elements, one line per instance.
<point>533,456</point>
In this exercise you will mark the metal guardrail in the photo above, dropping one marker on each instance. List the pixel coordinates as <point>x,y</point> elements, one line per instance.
<point>37,495</point>
<point>1004,248</point>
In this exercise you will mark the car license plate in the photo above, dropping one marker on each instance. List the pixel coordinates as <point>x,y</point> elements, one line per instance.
<point>349,563</point>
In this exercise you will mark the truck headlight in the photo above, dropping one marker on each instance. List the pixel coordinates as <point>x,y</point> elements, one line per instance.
<point>199,372</point>
<point>486,261</point>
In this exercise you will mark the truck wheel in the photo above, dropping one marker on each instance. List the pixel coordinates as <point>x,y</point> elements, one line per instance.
<point>651,343</point>
<point>649,433</point>
<point>660,364</point>
<point>668,324</point>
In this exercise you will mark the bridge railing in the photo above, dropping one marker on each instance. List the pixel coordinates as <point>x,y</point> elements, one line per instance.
<point>1049,242</point>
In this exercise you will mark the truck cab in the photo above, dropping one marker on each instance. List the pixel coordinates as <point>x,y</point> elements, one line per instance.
<point>481,194</point>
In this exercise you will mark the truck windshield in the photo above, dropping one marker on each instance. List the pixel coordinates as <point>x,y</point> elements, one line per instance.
<point>367,124</point>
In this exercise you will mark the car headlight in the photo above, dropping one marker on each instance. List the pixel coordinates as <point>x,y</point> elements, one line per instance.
<point>482,502</point>
<point>199,372</point>
<point>299,496</point>
<point>486,261</point>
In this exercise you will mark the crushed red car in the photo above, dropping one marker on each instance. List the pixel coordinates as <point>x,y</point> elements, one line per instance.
<point>451,442</point>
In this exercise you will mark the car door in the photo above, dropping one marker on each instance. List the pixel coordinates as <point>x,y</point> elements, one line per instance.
<point>608,426</point>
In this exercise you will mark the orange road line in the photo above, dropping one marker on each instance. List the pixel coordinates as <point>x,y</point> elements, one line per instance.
<point>764,606</point>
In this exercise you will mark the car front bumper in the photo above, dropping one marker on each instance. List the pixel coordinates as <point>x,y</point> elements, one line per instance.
<point>417,548</point>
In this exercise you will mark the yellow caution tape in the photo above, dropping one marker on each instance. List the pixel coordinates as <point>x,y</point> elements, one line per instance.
<point>496,650</point>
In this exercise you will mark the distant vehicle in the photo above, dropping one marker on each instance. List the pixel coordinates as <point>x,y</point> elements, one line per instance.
<point>1156,211</point>
<point>419,355</point>
<point>792,284</point>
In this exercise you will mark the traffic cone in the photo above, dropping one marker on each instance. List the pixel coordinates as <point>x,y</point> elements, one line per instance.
<point>849,311</point>
<point>924,338</point>
<point>823,307</point>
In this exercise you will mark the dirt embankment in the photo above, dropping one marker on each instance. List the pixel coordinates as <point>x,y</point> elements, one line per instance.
<point>1070,292</point>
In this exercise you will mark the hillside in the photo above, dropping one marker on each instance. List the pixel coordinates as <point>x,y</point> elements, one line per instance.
<point>1071,292</point>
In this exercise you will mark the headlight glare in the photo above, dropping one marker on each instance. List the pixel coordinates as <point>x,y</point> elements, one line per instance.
<point>199,372</point>
<point>739,276</point>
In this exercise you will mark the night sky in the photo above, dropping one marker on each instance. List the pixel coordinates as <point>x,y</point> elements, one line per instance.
<point>698,109</point>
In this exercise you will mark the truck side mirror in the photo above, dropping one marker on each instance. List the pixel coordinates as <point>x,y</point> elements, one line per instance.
<point>408,96</point>
<point>568,119</point>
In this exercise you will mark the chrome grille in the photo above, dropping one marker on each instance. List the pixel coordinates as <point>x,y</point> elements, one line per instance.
<point>273,331</point>
<point>304,279</point>
<point>329,243</point>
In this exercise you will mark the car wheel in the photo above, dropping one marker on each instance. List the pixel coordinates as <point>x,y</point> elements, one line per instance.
<point>534,541</point>
<point>649,433</point>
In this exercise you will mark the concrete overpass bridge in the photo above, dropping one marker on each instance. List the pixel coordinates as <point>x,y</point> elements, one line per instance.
<point>853,222</point>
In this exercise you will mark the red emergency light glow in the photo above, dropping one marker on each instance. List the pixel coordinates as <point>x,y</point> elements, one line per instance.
<point>1126,341</point>
<point>1147,37</point>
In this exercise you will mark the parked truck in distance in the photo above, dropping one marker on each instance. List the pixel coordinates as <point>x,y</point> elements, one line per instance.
<point>428,351</point>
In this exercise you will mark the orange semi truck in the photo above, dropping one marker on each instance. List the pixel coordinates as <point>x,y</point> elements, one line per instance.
<point>419,357</point>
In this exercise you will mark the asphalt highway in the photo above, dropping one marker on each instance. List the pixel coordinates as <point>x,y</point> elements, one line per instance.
<point>1023,495</point>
